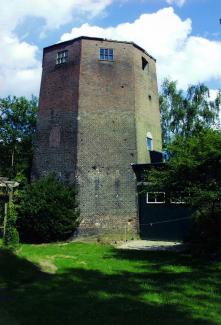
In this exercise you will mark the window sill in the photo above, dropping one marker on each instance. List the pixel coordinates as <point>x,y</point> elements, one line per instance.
<point>101,60</point>
<point>155,202</point>
<point>57,64</point>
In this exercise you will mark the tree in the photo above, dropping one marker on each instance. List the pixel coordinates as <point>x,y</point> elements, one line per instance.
<point>47,211</point>
<point>193,168</point>
<point>17,126</point>
<point>194,171</point>
<point>186,113</point>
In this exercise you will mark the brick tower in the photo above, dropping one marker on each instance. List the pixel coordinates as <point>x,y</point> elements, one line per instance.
<point>98,113</point>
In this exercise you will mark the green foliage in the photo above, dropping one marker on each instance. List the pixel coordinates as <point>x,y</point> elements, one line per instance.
<point>11,237</point>
<point>206,239</point>
<point>186,113</point>
<point>194,166</point>
<point>194,169</point>
<point>17,126</point>
<point>48,211</point>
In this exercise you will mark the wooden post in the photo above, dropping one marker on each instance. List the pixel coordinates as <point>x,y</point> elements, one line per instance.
<point>5,219</point>
<point>10,194</point>
<point>9,185</point>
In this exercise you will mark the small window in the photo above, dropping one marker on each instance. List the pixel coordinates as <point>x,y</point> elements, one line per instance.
<point>107,54</point>
<point>62,57</point>
<point>177,198</point>
<point>144,63</point>
<point>149,141</point>
<point>155,197</point>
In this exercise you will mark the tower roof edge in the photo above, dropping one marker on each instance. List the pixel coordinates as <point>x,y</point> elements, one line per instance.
<point>57,45</point>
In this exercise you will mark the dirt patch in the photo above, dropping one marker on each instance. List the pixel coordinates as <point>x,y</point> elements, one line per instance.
<point>151,245</point>
<point>48,266</point>
<point>64,256</point>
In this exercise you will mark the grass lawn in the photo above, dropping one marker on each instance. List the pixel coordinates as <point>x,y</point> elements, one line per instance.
<point>97,284</point>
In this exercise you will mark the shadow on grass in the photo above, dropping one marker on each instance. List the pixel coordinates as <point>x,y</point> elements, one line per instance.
<point>152,295</point>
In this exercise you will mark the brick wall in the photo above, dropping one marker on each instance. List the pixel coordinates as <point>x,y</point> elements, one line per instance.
<point>107,136</point>
<point>147,111</point>
<point>56,137</point>
<point>92,124</point>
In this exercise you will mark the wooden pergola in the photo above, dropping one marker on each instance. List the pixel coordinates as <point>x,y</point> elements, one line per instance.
<point>6,190</point>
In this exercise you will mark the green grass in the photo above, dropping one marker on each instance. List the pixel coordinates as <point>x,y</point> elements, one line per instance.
<point>97,284</point>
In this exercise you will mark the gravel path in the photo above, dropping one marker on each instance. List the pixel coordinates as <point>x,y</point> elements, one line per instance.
<point>152,245</point>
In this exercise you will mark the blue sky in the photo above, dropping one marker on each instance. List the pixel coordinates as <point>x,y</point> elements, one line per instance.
<point>183,35</point>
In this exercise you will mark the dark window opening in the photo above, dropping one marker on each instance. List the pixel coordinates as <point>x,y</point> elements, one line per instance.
<point>62,57</point>
<point>107,54</point>
<point>144,63</point>
<point>149,142</point>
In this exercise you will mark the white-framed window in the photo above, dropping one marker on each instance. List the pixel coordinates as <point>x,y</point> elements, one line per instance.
<point>62,57</point>
<point>106,54</point>
<point>155,197</point>
<point>149,141</point>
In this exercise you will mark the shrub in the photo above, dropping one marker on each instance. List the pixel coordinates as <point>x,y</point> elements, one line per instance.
<point>205,239</point>
<point>11,237</point>
<point>48,211</point>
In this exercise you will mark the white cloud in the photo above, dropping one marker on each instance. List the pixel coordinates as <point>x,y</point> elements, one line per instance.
<point>55,12</point>
<point>213,94</point>
<point>180,55</point>
<point>179,3</point>
<point>20,71</point>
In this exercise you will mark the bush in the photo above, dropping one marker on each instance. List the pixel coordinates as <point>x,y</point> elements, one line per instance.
<point>48,211</point>
<point>11,237</point>
<point>205,239</point>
